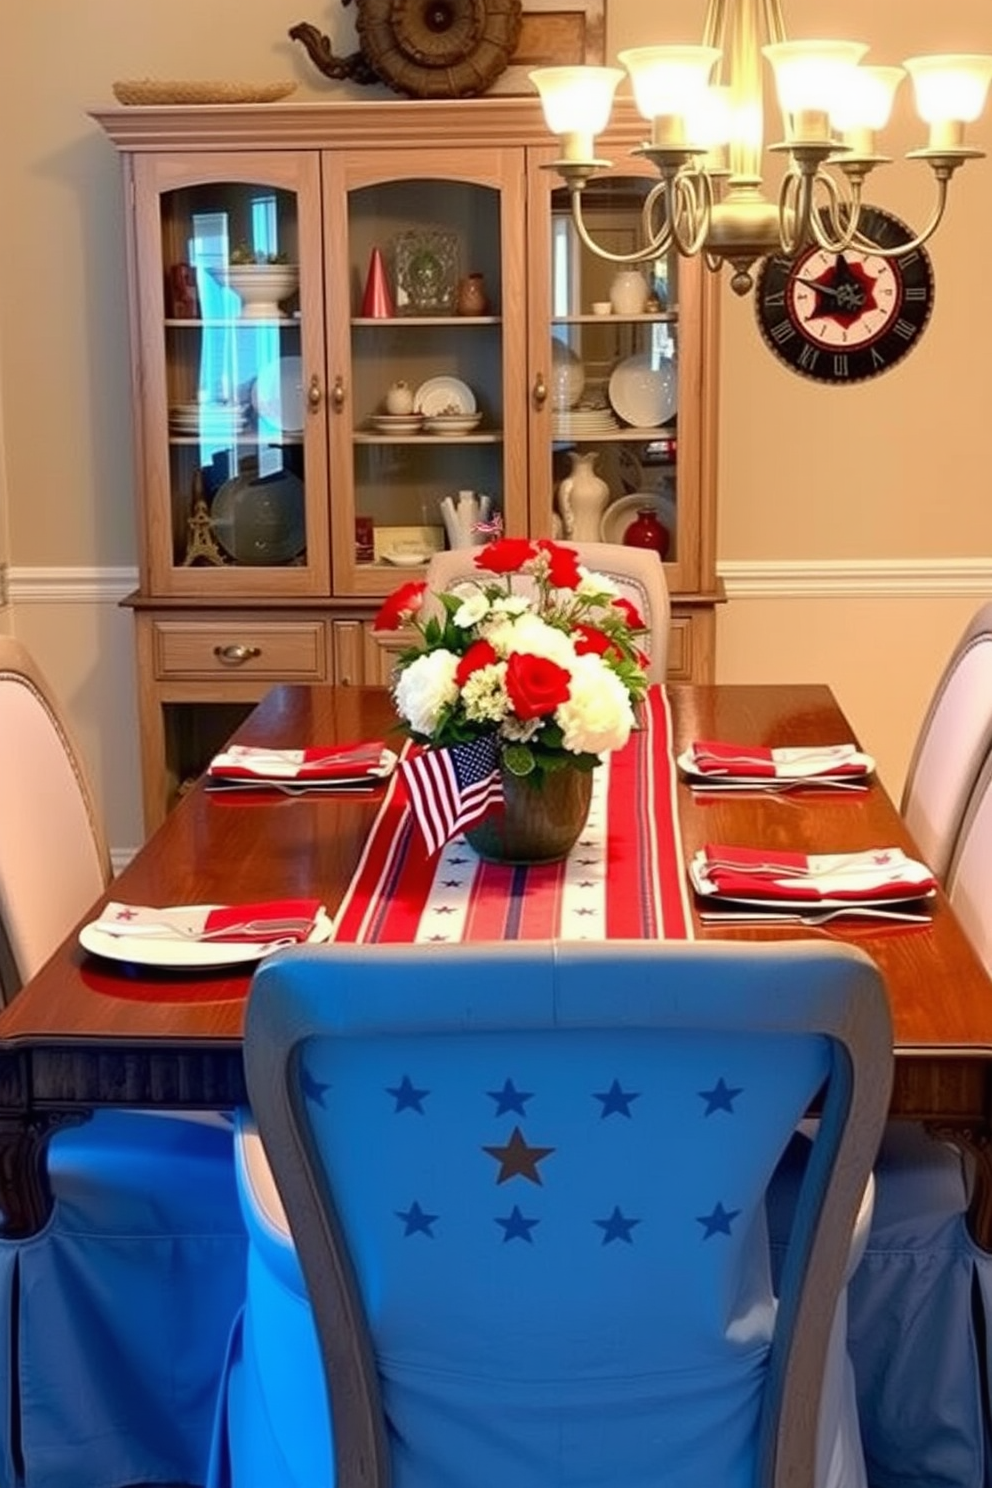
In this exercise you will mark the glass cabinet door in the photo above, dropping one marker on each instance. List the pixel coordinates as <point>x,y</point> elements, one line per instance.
<point>233,424</point>
<point>610,362</point>
<point>426,357</point>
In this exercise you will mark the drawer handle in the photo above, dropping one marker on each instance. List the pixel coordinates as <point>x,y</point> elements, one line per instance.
<point>236,655</point>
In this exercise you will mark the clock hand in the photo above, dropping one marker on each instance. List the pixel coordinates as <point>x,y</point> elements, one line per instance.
<point>849,295</point>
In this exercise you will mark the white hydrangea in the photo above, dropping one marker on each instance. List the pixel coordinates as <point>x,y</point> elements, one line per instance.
<point>532,634</point>
<point>596,583</point>
<point>511,604</point>
<point>473,608</point>
<point>597,715</point>
<point>425,687</point>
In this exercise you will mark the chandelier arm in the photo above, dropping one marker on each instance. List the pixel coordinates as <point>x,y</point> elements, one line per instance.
<point>867,246</point>
<point>840,212</point>
<point>694,192</point>
<point>795,206</point>
<point>659,245</point>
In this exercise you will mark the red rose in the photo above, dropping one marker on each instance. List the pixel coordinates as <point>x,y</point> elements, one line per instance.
<point>401,604</point>
<point>563,564</point>
<point>630,613</point>
<point>590,639</point>
<point>506,556</point>
<point>535,685</point>
<point>479,654</point>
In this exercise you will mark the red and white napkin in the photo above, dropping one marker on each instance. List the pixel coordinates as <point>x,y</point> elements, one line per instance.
<point>349,764</point>
<point>719,759</point>
<point>284,920</point>
<point>745,873</point>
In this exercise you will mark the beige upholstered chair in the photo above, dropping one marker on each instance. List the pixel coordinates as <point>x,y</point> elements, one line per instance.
<point>637,573</point>
<point>953,742</point>
<point>114,1318</point>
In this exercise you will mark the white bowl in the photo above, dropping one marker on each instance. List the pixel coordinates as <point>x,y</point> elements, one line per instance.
<point>262,287</point>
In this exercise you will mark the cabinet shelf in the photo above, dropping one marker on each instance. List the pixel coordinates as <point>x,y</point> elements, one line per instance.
<point>412,322</point>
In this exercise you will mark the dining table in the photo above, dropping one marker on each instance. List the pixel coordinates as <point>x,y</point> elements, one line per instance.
<point>88,1032</point>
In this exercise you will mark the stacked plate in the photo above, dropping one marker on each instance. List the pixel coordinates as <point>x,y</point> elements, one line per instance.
<point>452,423</point>
<point>207,420</point>
<point>397,423</point>
<point>581,423</point>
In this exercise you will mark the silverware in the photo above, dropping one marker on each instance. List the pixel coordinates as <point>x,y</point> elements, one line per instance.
<point>254,929</point>
<point>295,787</point>
<point>718,786</point>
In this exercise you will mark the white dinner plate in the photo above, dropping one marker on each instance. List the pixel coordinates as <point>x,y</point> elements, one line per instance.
<point>644,390</point>
<point>277,394</point>
<point>444,395</point>
<point>187,955</point>
<point>620,513</point>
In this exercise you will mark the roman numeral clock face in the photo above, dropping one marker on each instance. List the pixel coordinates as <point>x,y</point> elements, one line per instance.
<point>843,317</point>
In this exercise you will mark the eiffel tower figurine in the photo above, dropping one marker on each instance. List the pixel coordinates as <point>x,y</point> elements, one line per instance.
<point>200,541</point>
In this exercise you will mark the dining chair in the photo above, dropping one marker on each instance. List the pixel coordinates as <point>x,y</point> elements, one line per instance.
<point>113,1318</point>
<point>920,1305</point>
<point>638,574</point>
<point>952,743</point>
<point>530,1214</point>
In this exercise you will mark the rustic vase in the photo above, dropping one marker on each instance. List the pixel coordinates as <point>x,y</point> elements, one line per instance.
<point>471,298</point>
<point>540,819</point>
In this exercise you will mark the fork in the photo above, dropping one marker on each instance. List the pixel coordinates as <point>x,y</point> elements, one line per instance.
<point>769,786</point>
<point>294,787</point>
<point>263,929</point>
<point>813,917</point>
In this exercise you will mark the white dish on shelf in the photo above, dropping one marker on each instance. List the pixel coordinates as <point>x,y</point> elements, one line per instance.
<point>277,394</point>
<point>401,559</point>
<point>187,955</point>
<point>397,423</point>
<point>620,514</point>
<point>452,423</point>
<point>441,395</point>
<point>644,390</point>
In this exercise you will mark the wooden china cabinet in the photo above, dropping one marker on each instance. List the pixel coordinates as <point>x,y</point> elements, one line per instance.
<point>278,498</point>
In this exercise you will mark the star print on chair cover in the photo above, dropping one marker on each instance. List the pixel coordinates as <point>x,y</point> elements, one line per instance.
<point>527,1185</point>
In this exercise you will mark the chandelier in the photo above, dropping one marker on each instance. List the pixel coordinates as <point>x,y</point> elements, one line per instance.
<point>706,137</point>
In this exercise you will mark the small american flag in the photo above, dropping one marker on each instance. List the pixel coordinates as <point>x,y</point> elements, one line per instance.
<point>449,788</point>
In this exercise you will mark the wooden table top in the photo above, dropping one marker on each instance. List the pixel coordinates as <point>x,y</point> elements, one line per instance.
<point>216,848</point>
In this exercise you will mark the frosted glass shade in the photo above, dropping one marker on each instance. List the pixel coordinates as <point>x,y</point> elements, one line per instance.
<point>576,100</point>
<point>867,99</point>
<point>669,80</point>
<point>950,87</point>
<point>812,76</point>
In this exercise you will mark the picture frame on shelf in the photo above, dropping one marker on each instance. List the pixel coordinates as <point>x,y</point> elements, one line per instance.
<point>554,34</point>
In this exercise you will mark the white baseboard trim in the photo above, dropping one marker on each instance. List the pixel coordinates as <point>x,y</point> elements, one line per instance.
<point>792,578</point>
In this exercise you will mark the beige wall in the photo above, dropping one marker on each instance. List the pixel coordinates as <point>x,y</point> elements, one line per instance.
<point>811,477</point>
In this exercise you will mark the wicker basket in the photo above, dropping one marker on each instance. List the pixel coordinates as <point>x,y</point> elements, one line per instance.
<point>148,91</point>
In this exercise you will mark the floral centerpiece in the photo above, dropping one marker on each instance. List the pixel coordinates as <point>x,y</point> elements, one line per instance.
<point>516,689</point>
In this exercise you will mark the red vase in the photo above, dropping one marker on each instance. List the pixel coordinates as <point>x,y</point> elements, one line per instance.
<point>647,531</point>
<point>377,301</point>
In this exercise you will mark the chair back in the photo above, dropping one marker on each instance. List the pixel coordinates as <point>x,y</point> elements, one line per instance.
<point>952,744</point>
<point>530,1209</point>
<point>638,574</point>
<point>969,879</point>
<point>53,857</point>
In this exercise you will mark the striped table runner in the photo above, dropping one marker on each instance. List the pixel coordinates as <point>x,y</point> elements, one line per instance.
<point>624,879</point>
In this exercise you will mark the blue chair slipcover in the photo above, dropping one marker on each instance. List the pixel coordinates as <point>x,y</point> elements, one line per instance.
<point>527,1186</point>
<point>114,1318</point>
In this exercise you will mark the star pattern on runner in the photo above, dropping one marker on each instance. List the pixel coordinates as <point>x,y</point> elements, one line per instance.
<point>510,1099</point>
<point>616,1101</point>
<point>617,1227</point>
<point>517,1159</point>
<point>721,1097</point>
<point>407,1096</point>
<point>718,1222</point>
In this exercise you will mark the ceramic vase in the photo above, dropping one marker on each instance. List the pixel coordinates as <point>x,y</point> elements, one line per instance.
<point>471,296</point>
<point>540,819</point>
<point>628,292</point>
<point>647,531</point>
<point>582,498</point>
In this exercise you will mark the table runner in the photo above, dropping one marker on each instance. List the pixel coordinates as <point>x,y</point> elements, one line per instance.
<point>624,879</point>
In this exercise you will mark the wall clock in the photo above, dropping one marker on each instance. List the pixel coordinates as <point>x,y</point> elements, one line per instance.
<point>844,317</point>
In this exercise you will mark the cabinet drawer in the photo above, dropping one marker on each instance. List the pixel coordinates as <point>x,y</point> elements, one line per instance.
<point>282,652</point>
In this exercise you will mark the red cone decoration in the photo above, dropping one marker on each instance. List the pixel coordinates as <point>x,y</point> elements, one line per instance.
<point>377,300</point>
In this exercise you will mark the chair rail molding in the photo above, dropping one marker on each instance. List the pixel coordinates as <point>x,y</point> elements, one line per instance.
<point>803,578</point>
<point>30,585</point>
